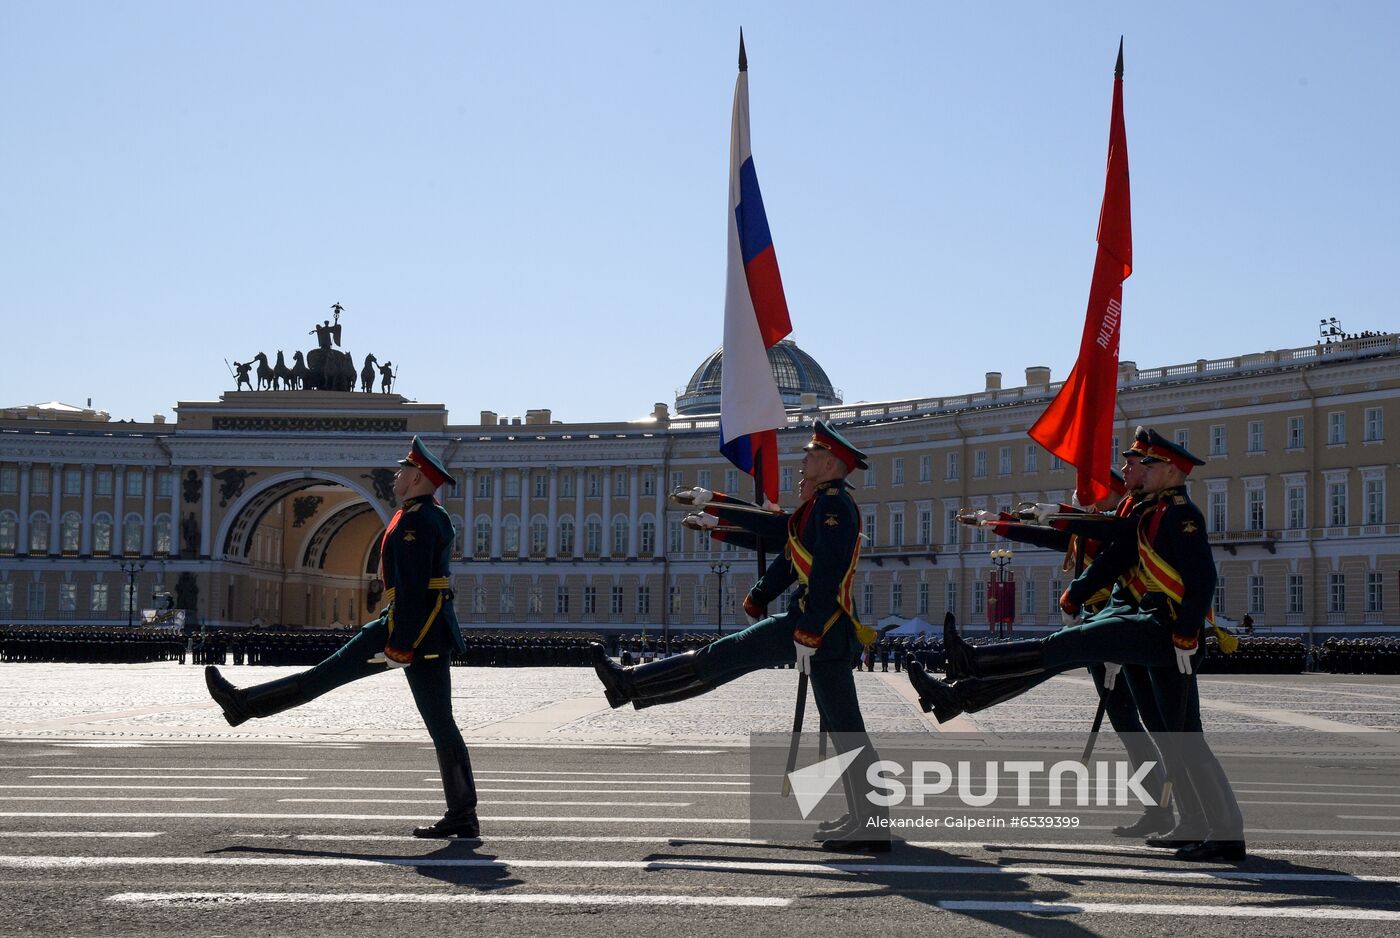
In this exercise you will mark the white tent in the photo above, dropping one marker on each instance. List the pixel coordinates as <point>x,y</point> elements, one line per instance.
<point>906,627</point>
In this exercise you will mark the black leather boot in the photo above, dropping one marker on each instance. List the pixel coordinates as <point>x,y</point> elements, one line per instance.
<point>1155,820</point>
<point>866,827</point>
<point>665,680</point>
<point>1005,660</point>
<point>459,788</point>
<point>935,696</point>
<point>260,700</point>
<point>957,653</point>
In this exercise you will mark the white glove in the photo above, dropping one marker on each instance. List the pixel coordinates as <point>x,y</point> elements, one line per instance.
<point>695,497</point>
<point>1067,620</point>
<point>804,657</point>
<point>1110,674</point>
<point>771,506</point>
<point>700,520</point>
<point>1043,510</point>
<point>1183,658</point>
<point>390,662</point>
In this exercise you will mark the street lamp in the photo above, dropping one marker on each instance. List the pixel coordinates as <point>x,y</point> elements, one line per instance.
<point>1003,602</point>
<point>719,570</point>
<point>131,568</point>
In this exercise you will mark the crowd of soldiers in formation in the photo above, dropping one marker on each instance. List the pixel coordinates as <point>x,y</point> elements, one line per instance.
<point>521,649</point>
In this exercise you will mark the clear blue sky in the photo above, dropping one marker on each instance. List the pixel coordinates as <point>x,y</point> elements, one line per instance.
<point>524,204</point>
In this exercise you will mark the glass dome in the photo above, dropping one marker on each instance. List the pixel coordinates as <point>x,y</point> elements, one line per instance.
<point>795,372</point>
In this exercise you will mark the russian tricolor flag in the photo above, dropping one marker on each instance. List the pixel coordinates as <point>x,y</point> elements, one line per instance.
<point>755,314</point>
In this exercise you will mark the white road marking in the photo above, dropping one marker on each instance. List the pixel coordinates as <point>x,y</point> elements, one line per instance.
<point>1175,909</point>
<point>269,816</point>
<point>204,778</point>
<point>205,900</point>
<point>417,771</point>
<point>99,798</point>
<point>575,804</point>
<point>378,788</point>
<point>84,834</point>
<point>1369,817</point>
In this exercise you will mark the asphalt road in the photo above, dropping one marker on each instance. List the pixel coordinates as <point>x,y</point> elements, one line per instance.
<point>209,837</point>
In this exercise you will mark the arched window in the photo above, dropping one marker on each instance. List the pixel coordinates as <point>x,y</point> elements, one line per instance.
<point>9,532</point>
<point>619,536</point>
<point>102,534</point>
<point>510,536</point>
<point>459,536</point>
<point>483,537</point>
<point>592,536</point>
<point>646,536</point>
<point>163,530</point>
<point>131,534</point>
<point>539,535</point>
<point>69,532</point>
<point>39,533</point>
<point>566,537</point>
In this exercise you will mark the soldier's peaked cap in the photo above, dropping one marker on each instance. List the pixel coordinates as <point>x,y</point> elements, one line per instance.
<point>422,459</point>
<point>1151,446</point>
<point>827,437</point>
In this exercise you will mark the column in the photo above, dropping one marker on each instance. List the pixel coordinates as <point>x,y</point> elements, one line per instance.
<point>607,513</point>
<point>496,480</point>
<point>578,512</point>
<point>632,519</point>
<point>22,547</point>
<point>175,539</point>
<point>658,548</point>
<point>206,511</point>
<point>118,510</point>
<point>85,548</point>
<point>524,546</point>
<point>56,508</point>
<point>148,513</point>
<point>468,506</point>
<point>552,548</point>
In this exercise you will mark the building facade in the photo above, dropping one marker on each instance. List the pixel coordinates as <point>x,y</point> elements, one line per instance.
<point>265,507</point>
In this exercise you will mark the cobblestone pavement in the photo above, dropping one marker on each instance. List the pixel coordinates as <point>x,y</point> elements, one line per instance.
<point>566,705</point>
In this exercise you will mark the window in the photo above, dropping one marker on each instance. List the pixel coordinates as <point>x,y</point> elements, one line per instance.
<point>590,600</point>
<point>507,601</point>
<point>620,482</point>
<point>1337,592</point>
<point>512,484</point>
<point>566,485</point>
<point>39,534</point>
<point>619,536</point>
<point>979,602</point>
<point>1336,427</point>
<point>951,535</point>
<point>1337,504</point>
<point>1028,602</point>
<point>163,534</point>
<point>702,479</point>
<point>1057,588</point>
<point>647,536</point>
<point>135,483</point>
<point>925,526</point>
<point>1295,432</point>
<point>541,485</point>
<point>9,533</point>
<point>950,596</point>
<point>566,536</point>
<point>593,537</point>
<point>68,530</point>
<point>925,468</point>
<point>1032,456</point>
<point>39,482</point>
<point>510,535</point>
<point>97,598</point>
<point>702,600</point>
<point>979,464</point>
<point>459,536</point>
<point>595,485</point>
<point>1004,461</point>
<point>9,481</point>
<point>1254,509</point>
<point>1215,512</point>
<point>867,599</point>
<point>1217,440</point>
<point>1218,604</point>
<point>868,522</point>
<point>923,599</point>
<point>1056,463</point>
<point>952,466</point>
<point>104,482</point>
<point>1256,436</point>
<point>34,597</point>
<point>67,597</point>
<point>677,480</point>
<point>1295,594</point>
<point>561,600</point>
<point>165,484</point>
<point>675,537</point>
<point>539,537</point>
<point>897,471</point>
<point>644,600</point>
<point>785,479</point>
<point>483,485</point>
<point>1183,438</point>
<point>1295,500</point>
<point>869,479</point>
<point>482,547</point>
<point>896,527</point>
<point>1374,597</point>
<point>7,597</point>
<point>731,480</point>
<point>896,596</point>
<point>1373,501</point>
<point>72,482</point>
<point>1256,594</point>
<point>1374,427</point>
<point>616,607</point>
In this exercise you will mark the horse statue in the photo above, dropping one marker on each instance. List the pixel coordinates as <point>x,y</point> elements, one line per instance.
<point>298,371</point>
<point>281,374</point>
<point>328,369</point>
<point>266,376</point>
<point>367,373</point>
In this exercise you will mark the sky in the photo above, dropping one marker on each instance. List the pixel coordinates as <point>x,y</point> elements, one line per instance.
<point>524,205</point>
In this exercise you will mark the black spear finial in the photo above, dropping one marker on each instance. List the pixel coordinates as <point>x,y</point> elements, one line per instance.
<point>1118,69</point>
<point>743,59</point>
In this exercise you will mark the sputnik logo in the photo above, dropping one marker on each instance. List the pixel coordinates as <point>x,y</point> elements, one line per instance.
<point>811,784</point>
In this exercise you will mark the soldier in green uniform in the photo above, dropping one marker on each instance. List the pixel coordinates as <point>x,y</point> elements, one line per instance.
<point>818,631</point>
<point>417,631</point>
<point>1162,581</point>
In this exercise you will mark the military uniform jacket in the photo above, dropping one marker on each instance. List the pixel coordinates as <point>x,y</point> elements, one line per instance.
<point>822,549</point>
<point>1165,568</point>
<point>413,563</point>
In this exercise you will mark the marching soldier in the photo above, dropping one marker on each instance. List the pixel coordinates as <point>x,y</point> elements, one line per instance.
<point>1162,580</point>
<point>417,631</point>
<point>818,631</point>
